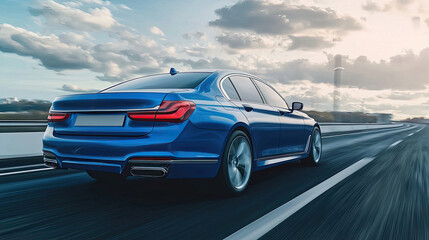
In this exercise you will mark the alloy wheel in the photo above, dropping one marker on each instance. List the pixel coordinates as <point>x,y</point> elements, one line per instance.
<point>239,162</point>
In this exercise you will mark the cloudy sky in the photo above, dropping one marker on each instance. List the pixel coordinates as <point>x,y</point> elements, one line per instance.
<point>49,48</point>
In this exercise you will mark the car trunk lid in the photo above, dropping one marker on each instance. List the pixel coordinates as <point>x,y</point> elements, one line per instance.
<point>105,114</point>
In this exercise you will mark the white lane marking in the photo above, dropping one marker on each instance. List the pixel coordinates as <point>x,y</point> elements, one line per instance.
<point>411,134</point>
<point>395,143</point>
<point>26,171</point>
<point>21,167</point>
<point>261,226</point>
<point>369,131</point>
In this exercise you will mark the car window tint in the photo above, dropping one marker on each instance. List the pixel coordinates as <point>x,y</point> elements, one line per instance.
<point>163,81</point>
<point>246,89</point>
<point>271,96</point>
<point>229,89</point>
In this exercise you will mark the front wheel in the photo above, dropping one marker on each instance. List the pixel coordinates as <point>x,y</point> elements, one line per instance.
<point>315,148</point>
<point>236,166</point>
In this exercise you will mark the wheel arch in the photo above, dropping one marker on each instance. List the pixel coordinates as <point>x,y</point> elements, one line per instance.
<point>317,125</point>
<point>238,126</point>
<point>245,128</point>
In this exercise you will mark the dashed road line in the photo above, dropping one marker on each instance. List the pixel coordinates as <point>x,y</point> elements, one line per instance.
<point>395,143</point>
<point>261,226</point>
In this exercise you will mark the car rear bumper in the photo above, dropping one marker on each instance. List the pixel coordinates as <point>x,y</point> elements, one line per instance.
<point>186,153</point>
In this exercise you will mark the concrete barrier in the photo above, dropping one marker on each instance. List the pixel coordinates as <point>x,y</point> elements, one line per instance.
<point>349,127</point>
<point>20,144</point>
<point>23,144</point>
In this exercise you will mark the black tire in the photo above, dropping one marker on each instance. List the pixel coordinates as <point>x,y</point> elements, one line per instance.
<point>107,177</point>
<point>311,159</point>
<point>223,180</point>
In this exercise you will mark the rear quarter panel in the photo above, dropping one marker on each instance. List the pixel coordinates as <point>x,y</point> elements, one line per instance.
<point>213,110</point>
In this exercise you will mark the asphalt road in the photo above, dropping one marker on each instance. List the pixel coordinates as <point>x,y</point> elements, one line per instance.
<point>386,199</point>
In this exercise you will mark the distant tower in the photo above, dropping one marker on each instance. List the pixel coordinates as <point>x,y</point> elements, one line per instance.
<point>337,81</point>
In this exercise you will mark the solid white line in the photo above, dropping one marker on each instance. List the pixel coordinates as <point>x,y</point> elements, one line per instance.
<point>21,167</point>
<point>363,132</point>
<point>411,134</point>
<point>395,143</point>
<point>26,171</point>
<point>261,226</point>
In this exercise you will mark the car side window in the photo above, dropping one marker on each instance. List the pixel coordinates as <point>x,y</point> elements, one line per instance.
<point>271,96</point>
<point>246,89</point>
<point>229,89</point>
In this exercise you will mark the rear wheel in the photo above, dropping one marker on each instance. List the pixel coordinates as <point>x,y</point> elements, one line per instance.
<point>236,166</point>
<point>106,176</point>
<point>315,148</point>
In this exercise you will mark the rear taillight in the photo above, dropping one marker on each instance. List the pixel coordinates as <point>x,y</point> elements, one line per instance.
<point>58,117</point>
<point>168,111</point>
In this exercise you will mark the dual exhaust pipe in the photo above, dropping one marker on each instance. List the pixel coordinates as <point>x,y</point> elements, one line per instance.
<point>156,172</point>
<point>50,160</point>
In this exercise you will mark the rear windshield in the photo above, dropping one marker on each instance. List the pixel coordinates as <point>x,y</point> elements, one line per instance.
<point>162,81</point>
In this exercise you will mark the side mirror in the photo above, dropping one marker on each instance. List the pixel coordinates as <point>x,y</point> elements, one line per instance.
<point>297,106</point>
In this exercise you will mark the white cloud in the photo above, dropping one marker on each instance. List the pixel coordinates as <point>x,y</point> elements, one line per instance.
<point>74,88</point>
<point>74,18</point>
<point>131,54</point>
<point>372,7</point>
<point>74,4</point>
<point>274,18</point>
<point>197,35</point>
<point>98,2</point>
<point>309,43</point>
<point>196,50</point>
<point>171,50</point>
<point>50,50</point>
<point>76,39</point>
<point>155,30</point>
<point>123,6</point>
<point>245,40</point>
<point>407,71</point>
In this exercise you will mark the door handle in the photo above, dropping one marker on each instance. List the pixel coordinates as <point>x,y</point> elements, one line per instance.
<point>281,112</point>
<point>248,108</point>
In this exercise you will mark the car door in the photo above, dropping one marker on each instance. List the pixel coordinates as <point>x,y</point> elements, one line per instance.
<point>263,120</point>
<point>292,133</point>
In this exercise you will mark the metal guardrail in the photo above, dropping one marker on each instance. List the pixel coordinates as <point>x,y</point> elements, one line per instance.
<point>29,121</point>
<point>8,126</point>
<point>23,123</point>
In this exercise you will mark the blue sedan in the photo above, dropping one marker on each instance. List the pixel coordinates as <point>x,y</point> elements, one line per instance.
<point>209,124</point>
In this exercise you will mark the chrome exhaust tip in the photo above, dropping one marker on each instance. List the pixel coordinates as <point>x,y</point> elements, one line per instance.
<point>149,171</point>
<point>52,163</point>
<point>50,160</point>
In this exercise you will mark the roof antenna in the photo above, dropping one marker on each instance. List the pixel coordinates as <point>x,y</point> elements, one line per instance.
<point>173,71</point>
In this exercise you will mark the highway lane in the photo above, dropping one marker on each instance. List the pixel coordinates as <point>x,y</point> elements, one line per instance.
<point>387,200</point>
<point>70,205</point>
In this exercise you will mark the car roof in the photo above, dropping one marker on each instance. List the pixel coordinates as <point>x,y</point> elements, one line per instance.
<point>223,72</point>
